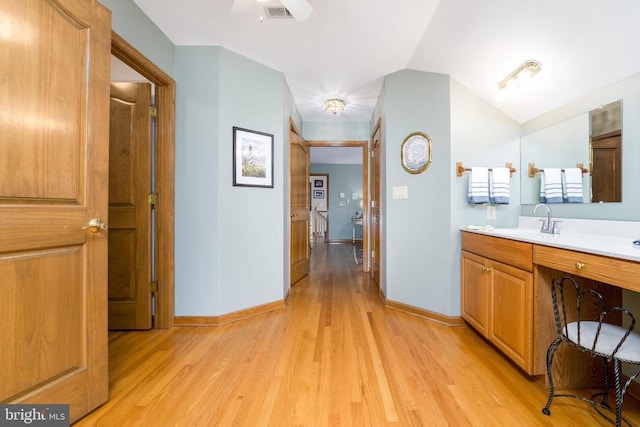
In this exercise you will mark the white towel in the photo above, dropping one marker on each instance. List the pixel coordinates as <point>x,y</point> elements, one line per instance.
<point>572,185</point>
<point>499,185</point>
<point>551,185</point>
<point>478,185</point>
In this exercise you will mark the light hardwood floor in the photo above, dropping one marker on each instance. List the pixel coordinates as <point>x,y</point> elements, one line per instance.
<point>334,356</point>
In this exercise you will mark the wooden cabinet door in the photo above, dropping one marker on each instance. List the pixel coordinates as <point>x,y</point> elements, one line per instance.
<point>474,293</point>
<point>54,157</point>
<point>511,311</point>
<point>129,208</point>
<point>299,177</point>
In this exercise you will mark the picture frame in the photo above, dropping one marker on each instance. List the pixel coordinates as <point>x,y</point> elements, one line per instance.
<point>318,183</point>
<point>318,194</point>
<point>415,152</point>
<point>252,158</point>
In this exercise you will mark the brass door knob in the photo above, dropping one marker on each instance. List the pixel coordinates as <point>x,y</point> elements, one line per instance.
<point>96,225</point>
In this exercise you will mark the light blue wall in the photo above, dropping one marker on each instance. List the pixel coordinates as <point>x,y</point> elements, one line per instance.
<point>338,131</point>
<point>250,239</point>
<point>129,22</point>
<point>629,91</point>
<point>197,205</point>
<point>345,179</point>
<point>229,240</point>
<point>418,245</point>
<point>482,135</point>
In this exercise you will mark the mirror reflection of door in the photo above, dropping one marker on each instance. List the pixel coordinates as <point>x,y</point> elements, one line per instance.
<point>606,168</point>
<point>606,153</point>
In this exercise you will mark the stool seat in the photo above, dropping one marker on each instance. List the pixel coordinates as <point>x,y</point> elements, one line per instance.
<point>609,337</point>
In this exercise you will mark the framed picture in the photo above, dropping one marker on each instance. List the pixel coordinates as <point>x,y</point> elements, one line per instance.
<point>252,158</point>
<point>318,194</point>
<point>415,152</point>
<point>318,183</point>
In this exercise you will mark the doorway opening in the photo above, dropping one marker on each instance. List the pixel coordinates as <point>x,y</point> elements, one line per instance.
<point>163,177</point>
<point>355,203</point>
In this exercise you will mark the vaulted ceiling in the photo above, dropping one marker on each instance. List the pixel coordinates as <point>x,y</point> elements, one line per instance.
<point>346,47</point>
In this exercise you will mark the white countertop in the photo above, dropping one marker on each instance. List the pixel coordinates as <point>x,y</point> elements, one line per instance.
<point>608,238</point>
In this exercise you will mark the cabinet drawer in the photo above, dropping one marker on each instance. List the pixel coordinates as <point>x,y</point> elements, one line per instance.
<point>618,272</point>
<point>511,252</point>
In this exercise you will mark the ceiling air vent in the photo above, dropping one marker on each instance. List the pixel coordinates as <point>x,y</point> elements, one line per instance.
<point>277,12</point>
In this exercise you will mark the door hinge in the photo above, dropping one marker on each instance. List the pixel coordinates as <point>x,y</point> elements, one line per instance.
<point>153,198</point>
<point>373,254</point>
<point>153,110</point>
<point>153,286</point>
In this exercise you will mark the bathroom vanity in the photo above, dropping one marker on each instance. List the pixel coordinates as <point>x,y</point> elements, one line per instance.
<point>506,285</point>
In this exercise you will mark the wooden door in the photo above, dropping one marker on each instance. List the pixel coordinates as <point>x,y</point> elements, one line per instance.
<point>299,197</point>
<point>129,207</point>
<point>54,127</point>
<point>376,197</point>
<point>606,169</point>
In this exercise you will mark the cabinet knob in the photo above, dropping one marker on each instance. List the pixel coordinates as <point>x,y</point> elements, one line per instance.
<point>580,265</point>
<point>485,268</point>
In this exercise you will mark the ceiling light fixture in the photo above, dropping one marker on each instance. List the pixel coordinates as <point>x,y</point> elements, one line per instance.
<point>334,105</point>
<point>520,76</point>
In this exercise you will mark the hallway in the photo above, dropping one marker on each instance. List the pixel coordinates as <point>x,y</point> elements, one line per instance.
<point>334,356</point>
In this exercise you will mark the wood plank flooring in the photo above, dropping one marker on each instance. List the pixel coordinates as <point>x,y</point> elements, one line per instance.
<point>333,357</point>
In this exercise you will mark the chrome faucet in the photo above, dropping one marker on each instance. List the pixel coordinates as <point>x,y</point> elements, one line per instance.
<point>547,225</point>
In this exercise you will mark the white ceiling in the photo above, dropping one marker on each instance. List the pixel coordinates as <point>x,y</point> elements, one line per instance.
<point>346,47</point>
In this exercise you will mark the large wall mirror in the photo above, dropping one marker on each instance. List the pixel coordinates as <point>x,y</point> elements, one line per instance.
<point>590,142</point>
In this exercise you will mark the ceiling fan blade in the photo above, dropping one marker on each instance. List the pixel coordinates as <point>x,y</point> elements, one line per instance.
<point>299,9</point>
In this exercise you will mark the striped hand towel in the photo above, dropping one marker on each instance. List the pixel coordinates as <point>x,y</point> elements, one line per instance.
<point>551,185</point>
<point>478,185</point>
<point>572,185</point>
<point>499,185</point>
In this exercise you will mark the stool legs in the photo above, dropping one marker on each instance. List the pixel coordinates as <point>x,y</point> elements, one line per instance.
<point>550,353</point>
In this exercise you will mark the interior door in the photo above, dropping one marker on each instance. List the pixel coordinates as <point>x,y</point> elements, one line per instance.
<point>299,178</point>
<point>54,118</point>
<point>129,207</point>
<point>376,165</point>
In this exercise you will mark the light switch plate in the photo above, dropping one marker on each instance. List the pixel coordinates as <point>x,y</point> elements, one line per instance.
<point>400,193</point>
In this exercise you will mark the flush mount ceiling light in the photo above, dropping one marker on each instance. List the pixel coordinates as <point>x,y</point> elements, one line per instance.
<point>520,76</point>
<point>334,105</point>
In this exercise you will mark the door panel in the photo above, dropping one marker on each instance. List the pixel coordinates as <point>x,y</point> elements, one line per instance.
<point>129,209</point>
<point>53,180</point>
<point>376,192</point>
<point>606,175</point>
<point>299,171</point>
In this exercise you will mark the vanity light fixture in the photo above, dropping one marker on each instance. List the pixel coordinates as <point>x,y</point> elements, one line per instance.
<point>334,105</point>
<point>519,77</point>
